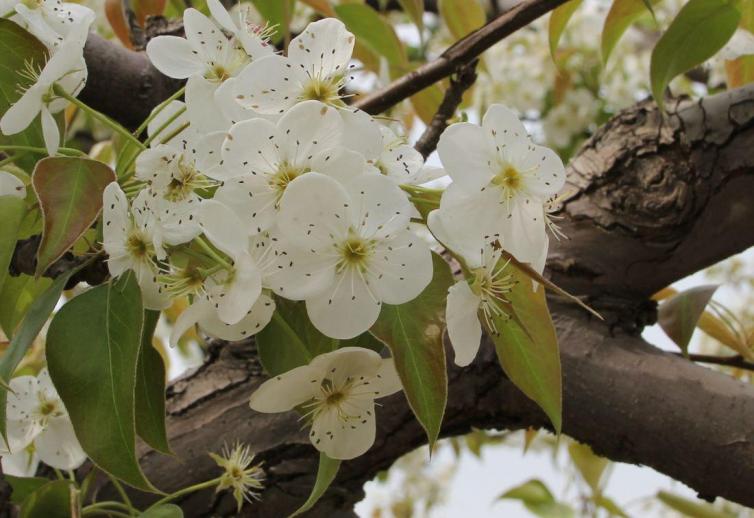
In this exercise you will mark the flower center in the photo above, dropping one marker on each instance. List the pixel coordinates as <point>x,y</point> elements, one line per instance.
<point>284,175</point>
<point>492,286</point>
<point>355,252</point>
<point>183,181</point>
<point>325,90</point>
<point>138,246</point>
<point>510,179</point>
<point>187,281</point>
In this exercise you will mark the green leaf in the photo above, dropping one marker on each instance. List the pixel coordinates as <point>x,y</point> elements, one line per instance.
<point>701,28</point>
<point>691,508</point>
<point>278,13</point>
<point>622,14</point>
<point>591,467</point>
<point>39,310</point>
<point>610,506</point>
<point>679,315</point>
<point>290,340</point>
<point>92,351</point>
<point>462,16</point>
<point>69,190</point>
<point>527,346</point>
<point>328,469</point>
<point>150,389</point>
<point>413,332</point>
<point>373,31</point>
<point>415,10</point>
<point>19,49</point>
<point>12,211</point>
<point>558,20</point>
<point>23,486</point>
<point>57,499</point>
<point>538,500</point>
<point>163,511</point>
<point>17,295</point>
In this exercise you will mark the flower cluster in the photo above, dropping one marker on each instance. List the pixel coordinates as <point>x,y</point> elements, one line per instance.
<point>63,28</point>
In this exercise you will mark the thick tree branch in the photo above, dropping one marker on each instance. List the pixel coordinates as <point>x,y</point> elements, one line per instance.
<point>655,199</point>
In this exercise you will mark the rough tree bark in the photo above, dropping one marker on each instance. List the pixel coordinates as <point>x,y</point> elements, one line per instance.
<point>654,200</point>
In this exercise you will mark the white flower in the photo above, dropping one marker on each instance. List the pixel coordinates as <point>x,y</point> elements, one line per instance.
<point>485,291</point>
<point>337,390</point>
<point>23,463</point>
<point>740,44</point>
<point>500,183</point>
<point>129,240</point>
<point>315,69</point>
<point>66,68</point>
<point>53,21</point>
<point>265,157</point>
<point>253,37</point>
<point>359,235</point>
<point>35,414</point>
<point>401,162</point>
<point>11,185</point>
<point>239,474</point>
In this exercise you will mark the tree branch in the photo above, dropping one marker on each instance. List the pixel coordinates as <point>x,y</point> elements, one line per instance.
<point>736,361</point>
<point>648,192</point>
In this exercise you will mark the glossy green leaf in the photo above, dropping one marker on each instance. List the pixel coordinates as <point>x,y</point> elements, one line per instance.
<point>373,31</point>
<point>12,211</point>
<point>92,351</point>
<point>328,469</point>
<point>69,190</point>
<point>23,486</point>
<point>679,315</point>
<point>277,13</point>
<point>622,14</point>
<point>528,349</point>
<point>559,18</point>
<point>35,318</point>
<point>163,511</point>
<point>415,10</point>
<point>413,332</point>
<point>691,508</point>
<point>150,389</point>
<point>56,499</point>
<point>19,50</point>
<point>17,295</point>
<point>701,28</point>
<point>290,339</point>
<point>538,499</point>
<point>462,16</point>
<point>591,467</point>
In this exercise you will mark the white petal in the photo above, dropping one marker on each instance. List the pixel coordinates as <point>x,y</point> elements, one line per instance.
<point>346,310</point>
<point>203,113</point>
<point>386,381</point>
<point>506,130</point>
<point>178,221</point>
<point>298,274</point>
<point>269,85</point>
<point>401,268</point>
<point>378,207</point>
<point>66,59</point>
<point>741,44</point>
<point>314,212</point>
<point>361,133</point>
<point>152,295</point>
<point>58,446</point>
<point>464,329</point>
<point>286,391</point>
<point>50,131</point>
<point>429,173</point>
<point>252,200</point>
<point>199,310</point>
<point>349,438</point>
<point>250,148</point>
<point>258,317</point>
<point>204,36</point>
<point>342,164</point>
<point>401,163</point>
<point>11,185</point>
<point>544,174</point>
<point>221,16</point>
<point>524,233</point>
<point>22,112</point>
<point>174,57</point>
<point>22,398</point>
<point>468,155</point>
<point>308,128</point>
<point>20,464</point>
<point>208,156</point>
<point>324,48</point>
<point>347,363</point>
<point>237,298</point>
<point>223,228</point>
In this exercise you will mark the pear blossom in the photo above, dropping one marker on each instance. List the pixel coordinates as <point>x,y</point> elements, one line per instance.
<point>11,185</point>
<point>52,21</point>
<point>239,474</point>
<point>401,162</point>
<point>23,463</point>
<point>129,237</point>
<point>359,235</point>
<point>36,415</point>
<point>483,293</point>
<point>337,391</point>
<point>264,158</point>
<point>65,68</point>
<point>500,184</point>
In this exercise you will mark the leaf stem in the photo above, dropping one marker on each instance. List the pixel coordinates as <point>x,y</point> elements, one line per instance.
<point>201,241</point>
<point>158,109</point>
<point>33,149</point>
<point>185,491</point>
<point>107,508</point>
<point>12,158</point>
<point>121,492</point>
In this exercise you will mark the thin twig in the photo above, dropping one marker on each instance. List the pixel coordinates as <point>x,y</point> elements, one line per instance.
<point>459,83</point>
<point>736,361</point>
<point>460,53</point>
